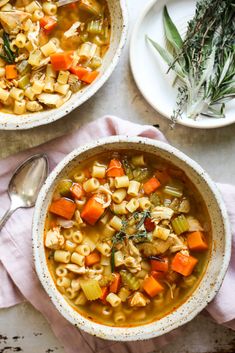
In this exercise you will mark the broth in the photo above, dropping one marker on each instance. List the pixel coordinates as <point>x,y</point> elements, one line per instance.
<point>145,257</point>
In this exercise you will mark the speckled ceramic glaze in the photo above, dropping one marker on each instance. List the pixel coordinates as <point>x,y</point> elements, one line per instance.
<point>119,23</point>
<point>221,244</point>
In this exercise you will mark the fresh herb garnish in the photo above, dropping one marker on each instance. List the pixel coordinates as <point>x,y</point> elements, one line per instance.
<point>112,259</point>
<point>140,237</point>
<point>9,56</point>
<point>145,214</point>
<point>204,62</point>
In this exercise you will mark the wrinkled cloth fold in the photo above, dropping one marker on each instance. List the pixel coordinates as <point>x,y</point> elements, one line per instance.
<point>17,274</point>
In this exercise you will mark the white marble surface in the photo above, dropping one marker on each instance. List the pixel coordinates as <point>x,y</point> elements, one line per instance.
<point>24,327</point>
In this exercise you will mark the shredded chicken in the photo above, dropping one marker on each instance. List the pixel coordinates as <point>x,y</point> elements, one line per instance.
<point>72,31</point>
<point>178,244</point>
<point>194,224</point>
<point>157,247</point>
<point>160,213</point>
<point>138,299</point>
<point>184,206</point>
<point>103,195</point>
<point>54,240</point>
<point>12,21</point>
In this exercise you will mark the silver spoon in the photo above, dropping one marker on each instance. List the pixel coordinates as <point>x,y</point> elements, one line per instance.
<point>25,184</point>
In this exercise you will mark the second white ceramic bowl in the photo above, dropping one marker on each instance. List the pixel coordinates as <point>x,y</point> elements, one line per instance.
<point>221,238</point>
<point>119,24</point>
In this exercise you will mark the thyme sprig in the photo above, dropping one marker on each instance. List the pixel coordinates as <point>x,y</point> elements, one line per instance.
<point>204,62</point>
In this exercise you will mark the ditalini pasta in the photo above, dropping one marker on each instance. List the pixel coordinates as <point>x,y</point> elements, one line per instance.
<point>127,236</point>
<point>48,52</point>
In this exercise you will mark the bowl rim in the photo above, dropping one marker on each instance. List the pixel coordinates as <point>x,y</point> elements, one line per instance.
<point>58,113</point>
<point>145,331</point>
<point>217,123</point>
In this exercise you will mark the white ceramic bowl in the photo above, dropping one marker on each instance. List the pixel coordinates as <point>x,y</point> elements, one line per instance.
<point>221,244</point>
<point>119,24</point>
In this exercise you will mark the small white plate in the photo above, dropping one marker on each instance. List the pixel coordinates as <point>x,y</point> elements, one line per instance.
<point>149,70</point>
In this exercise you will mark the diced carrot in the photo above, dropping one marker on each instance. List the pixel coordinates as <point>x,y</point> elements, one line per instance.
<point>77,190</point>
<point>62,61</point>
<point>151,185</point>
<point>183,264</point>
<point>63,207</point>
<point>162,266</point>
<point>162,176</point>
<point>196,241</point>
<point>11,72</point>
<point>89,77</point>
<point>48,23</point>
<point>158,275</point>
<point>152,287</point>
<point>105,292</point>
<point>116,282</point>
<point>115,169</point>
<point>149,224</point>
<point>79,71</point>
<point>92,211</point>
<point>92,259</point>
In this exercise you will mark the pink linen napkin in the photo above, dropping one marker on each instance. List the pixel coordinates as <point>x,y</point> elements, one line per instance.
<point>18,278</point>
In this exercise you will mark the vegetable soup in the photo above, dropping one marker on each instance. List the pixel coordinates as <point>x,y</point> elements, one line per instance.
<point>127,238</point>
<point>47,52</point>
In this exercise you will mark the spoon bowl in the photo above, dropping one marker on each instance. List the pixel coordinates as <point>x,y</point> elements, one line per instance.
<point>26,183</point>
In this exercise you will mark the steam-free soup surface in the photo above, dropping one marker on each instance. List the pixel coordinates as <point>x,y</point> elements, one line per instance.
<point>47,52</point>
<point>127,238</point>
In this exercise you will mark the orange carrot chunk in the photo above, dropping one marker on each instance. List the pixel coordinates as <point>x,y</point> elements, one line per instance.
<point>152,287</point>
<point>62,61</point>
<point>183,264</point>
<point>48,23</point>
<point>11,72</point>
<point>92,211</point>
<point>157,265</point>
<point>115,169</point>
<point>92,259</point>
<point>89,77</point>
<point>79,71</point>
<point>63,207</point>
<point>77,191</point>
<point>151,185</point>
<point>116,282</point>
<point>196,241</point>
<point>105,292</point>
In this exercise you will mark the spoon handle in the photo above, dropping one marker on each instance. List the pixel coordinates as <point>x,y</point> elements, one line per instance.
<point>6,216</point>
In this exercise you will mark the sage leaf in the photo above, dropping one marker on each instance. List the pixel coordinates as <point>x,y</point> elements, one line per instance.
<point>172,33</point>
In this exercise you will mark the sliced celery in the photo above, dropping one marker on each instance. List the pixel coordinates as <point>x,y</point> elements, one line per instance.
<point>23,67</point>
<point>173,191</point>
<point>95,27</point>
<point>129,280</point>
<point>155,199</point>
<point>180,224</point>
<point>91,289</point>
<point>63,187</point>
<point>24,81</point>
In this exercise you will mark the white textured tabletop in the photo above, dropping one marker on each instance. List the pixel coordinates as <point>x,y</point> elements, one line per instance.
<point>22,328</point>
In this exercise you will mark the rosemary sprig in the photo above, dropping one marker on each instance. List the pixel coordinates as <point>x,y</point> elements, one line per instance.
<point>204,62</point>
<point>9,56</point>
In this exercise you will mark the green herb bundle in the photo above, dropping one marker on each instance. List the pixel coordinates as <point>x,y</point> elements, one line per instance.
<point>204,62</point>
